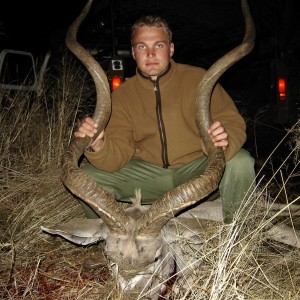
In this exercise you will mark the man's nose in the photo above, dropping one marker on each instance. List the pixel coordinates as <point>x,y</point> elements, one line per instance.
<point>151,52</point>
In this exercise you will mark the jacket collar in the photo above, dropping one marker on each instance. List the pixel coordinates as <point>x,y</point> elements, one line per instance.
<point>164,77</point>
<point>158,77</point>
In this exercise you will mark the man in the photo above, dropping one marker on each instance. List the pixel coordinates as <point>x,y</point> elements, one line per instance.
<point>152,141</point>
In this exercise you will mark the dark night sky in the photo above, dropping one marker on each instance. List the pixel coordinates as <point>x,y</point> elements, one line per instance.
<point>31,24</point>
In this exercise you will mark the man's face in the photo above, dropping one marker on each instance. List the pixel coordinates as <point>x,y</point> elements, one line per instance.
<point>151,50</point>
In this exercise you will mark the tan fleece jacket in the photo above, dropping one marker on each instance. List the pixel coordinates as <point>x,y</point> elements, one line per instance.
<point>136,123</point>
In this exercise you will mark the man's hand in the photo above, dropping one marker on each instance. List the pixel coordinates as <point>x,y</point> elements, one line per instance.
<point>88,127</point>
<point>218,135</point>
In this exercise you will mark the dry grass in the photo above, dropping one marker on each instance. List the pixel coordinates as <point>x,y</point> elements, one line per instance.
<point>234,263</point>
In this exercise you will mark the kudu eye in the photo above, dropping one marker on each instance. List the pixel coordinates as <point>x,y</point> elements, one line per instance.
<point>157,258</point>
<point>158,255</point>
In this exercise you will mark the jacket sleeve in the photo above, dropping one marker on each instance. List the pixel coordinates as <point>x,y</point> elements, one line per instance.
<point>224,110</point>
<point>119,146</point>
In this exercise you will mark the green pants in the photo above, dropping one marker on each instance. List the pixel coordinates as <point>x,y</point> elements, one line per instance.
<point>154,181</point>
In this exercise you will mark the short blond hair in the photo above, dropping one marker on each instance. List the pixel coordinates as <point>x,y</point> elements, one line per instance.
<point>152,21</point>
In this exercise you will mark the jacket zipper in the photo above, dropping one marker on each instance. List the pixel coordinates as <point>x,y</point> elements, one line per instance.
<point>161,126</point>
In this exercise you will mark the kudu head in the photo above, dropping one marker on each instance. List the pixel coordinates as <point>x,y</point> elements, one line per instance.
<point>133,236</point>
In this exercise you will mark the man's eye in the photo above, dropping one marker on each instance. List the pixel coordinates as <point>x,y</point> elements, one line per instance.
<point>141,47</point>
<point>159,45</point>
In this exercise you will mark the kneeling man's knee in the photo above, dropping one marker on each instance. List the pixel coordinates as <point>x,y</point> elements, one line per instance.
<point>242,163</point>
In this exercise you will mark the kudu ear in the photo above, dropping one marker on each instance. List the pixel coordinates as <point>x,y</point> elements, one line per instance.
<point>80,231</point>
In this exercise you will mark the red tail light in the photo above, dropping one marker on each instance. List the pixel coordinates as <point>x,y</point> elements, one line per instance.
<point>116,82</point>
<point>281,89</point>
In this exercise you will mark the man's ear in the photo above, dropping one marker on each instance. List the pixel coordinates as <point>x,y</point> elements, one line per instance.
<point>132,52</point>
<point>172,49</point>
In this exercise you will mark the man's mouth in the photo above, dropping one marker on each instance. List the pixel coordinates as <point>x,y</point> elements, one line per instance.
<point>151,64</point>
